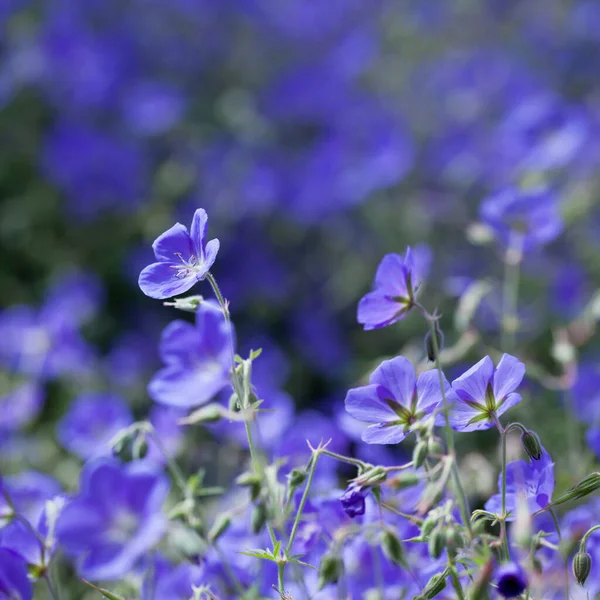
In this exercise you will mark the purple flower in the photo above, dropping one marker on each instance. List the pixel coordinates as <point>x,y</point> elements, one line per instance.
<point>197,359</point>
<point>485,393</point>
<point>115,519</point>
<point>29,492</point>
<point>183,259</point>
<point>91,422</point>
<point>511,580</point>
<point>14,581</point>
<point>396,283</point>
<point>21,405</point>
<point>522,218</point>
<point>353,501</point>
<point>395,400</point>
<point>173,582</point>
<point>534,481</point>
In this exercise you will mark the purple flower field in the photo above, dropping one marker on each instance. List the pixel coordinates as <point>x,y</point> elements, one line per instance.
<point>299,300</point>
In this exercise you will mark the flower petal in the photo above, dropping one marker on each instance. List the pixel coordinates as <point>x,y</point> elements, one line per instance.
<point>398,376</point>
<point>377,310</point>
<point>159,280</point>
<point>376,434</point>
<point>465,418</point>
<point>364,404</point>
<point>429,392</point>
<point>210,254</point>
<point>198,231</point>
<point>390,277</point>
<point>186,388</point>
<point>175,240</point>
<point>180,344</point>
<point>473,384</point>
<point>509,374</point>
<point>510,401</point>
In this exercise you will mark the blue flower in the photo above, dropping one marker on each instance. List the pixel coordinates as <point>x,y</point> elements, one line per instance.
<point>172,582</point>
<point>29,491</point>
<point>353,500</point>
<point>485,393</point>
<point>396,283</point>
<point>396,400</point>
<point>522,219</point>
<point>114,519</point>
<point>197,359</point>
<point>534,481</point>
<point>14,580</point>
<point>91,422</point>
<point>183,259</point>
<point>20,405</point>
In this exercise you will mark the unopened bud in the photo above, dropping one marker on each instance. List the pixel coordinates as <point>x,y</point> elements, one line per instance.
<point>139,447</point>
<point>436,585</point>
<point>582,565</point>
<point>392,548</point>
<point>531,445</point>
<point>586,486</point>
<point>430,345</point>
<point>436,543</point>
<point>220,526</point>
<point>258,518</point>
<point>252,481</point>
<point>454,539</point>
<point>420,454</point>
<point>189,304</point>
<point>434,446</point>
<point>373,476</point>
<point>404,480</point>
<point>428,525</point>
<point>330,570</point>
<point>296,477</point>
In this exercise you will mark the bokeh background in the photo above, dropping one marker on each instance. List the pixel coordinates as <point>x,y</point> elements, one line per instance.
<point>318,135</point>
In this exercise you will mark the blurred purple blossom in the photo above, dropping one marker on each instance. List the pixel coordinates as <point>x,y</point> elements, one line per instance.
<point>14,581</point>
<point>20,405</point>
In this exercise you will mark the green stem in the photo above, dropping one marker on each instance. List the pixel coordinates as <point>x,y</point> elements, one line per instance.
<point>51,589</point>
<point>463,503</point>
<point>584,539</point>
<point>311,474</point>
<point>503,435</point>
<point>351,461</point>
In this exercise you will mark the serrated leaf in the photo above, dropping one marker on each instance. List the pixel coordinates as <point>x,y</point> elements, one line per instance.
<point>106,593</point>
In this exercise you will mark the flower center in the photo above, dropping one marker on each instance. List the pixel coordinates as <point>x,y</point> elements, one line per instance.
<point>187,266</point>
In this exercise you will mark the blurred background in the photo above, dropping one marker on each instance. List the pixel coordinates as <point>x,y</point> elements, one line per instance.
<point>318,136</point>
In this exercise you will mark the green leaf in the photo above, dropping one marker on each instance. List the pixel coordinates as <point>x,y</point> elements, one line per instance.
<point>105,593</point>
<point>264,554</point>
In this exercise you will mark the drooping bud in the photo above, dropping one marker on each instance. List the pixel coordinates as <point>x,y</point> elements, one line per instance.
<point>330,570</point>
<point>404,480</point>
<point>420,454</point>
<point>258,518</point>
<point>454,540</point>
<point>392,548</point>
<point>428,525</point>
<point>430,344</point>
<point>434,446</point>
<point>220,526</point>
<point>582,565</point>
<point>531,445</point>
<point>437,542</point>
<point>374,476</point>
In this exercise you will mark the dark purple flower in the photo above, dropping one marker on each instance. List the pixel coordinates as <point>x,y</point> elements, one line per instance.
<point>14,580</point>
<point>114,519</point>
<point>353,500</point>
<point>197,359</point>
<point>183,259</point>
<point>396,283</point>
<point>522,219</point>
<point>485,393</point>
<point>511,580</point>
<point>533,481</point>
<point>396,400</point>
<point>92,421</point>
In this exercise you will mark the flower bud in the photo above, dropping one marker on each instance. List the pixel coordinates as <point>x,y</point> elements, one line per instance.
<point>373,476</point>
<point>139,447</point>
<point>220,526</point>
<point>296,477</point>
<point>434,446</point>
<point>252,481</point>
<point>353,500</point>
<point>531,445</point>
<point>392,548</point>
<point>420,454</point>
<point>428,525</point>
<point>404,480</point>
<point>258,518</point>
<point>586,486</point>
<point>582,565</point>
<point>454,539</point>
<point>189,304</point>
<point>330,570</point>
<point>437,542</point>
<point>434,586</point>
<point>430,347</point>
